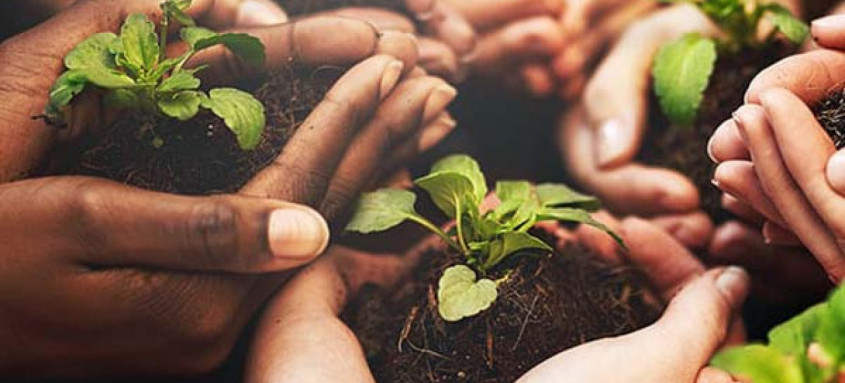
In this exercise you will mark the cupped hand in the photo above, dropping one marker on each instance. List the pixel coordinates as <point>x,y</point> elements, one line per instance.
<point>290,342</point>
<point>141,272</point>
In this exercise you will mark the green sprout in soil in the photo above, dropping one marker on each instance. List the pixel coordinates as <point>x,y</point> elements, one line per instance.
<point>484,240</point>
<point>135,74</point>
<point>809,348</point>
<point>682,68</point>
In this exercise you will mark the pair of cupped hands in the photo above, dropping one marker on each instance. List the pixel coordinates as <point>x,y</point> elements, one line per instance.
<point>100,279</point>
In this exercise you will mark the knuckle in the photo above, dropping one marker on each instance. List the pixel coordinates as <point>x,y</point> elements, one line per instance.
<point>83,212</point>
<point>213,232</point>
<point>343,109</point>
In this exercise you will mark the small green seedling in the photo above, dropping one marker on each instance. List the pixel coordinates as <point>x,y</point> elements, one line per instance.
<point>809,348</point>
<point>457,186</point>
<point>682,68</point>
<point>134,73</point>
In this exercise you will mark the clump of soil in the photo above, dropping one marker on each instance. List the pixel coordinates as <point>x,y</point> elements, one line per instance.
<point>549,304</point>
<point>684,149</point>
<point>831,115</point>
<point>303,7</point>
<point>201,156</point>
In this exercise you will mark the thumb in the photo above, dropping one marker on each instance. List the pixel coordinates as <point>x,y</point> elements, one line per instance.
<point>696,322</point>
<point>616,97</point>
<point>106,224</point>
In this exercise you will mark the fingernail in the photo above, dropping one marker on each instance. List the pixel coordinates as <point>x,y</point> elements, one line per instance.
<point>733,284</point>
<point>710,151</point>
<point>836,172</point>
<point>437,101</point>
<point>469,57</point>
<point>612,141</point>
<point>715,183</point>
<point>390,77</point>
<point>827,22</point>
<point>740,127</point>
<point>297,233</point>
<point>258,13</point>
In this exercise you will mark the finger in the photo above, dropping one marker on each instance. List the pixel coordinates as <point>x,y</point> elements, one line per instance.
<point>714,375</point>
<point>666,262</point>
<point>425,140</point>
<point>726,144</point>
<point>485,15</point>
<point>597,241</point>
<point>301,173</point>
<point>517,42</point>
<point>450,27</point>
<point>616,96</point>
<point>538,80</point>
<point>776,235</point>
<point>836,172</point>
<point>829,32</point>
<point>414,104</point>
<point>739,179</point>
<point>629,189</point>
<point>578,14</point>
<point>696,322</point>
<point>742,210</point>
<point>692,230</point>
<point>302,42</point>
<point>256,13</point>
<point>780,187</point>
<point>438,58</point>
<point>811,76</point>
<point>400,45</point>
<point>384,19</point>
<point>109,224</point>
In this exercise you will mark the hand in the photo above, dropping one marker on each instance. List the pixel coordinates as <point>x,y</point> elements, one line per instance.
<point>192,309</point>
<point>290,342</point>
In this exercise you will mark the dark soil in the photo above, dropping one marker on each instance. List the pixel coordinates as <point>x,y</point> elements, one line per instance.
<point>303,7</point>
<point>549,304</point>
<point>201,156</point>
<point>831,114</point>
<point>684,149</point>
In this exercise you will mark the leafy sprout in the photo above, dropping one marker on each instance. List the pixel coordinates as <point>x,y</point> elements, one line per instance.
<point>682,68</point>
<point>484,239</point>
<point>786,357</point>
<point>135,73</point>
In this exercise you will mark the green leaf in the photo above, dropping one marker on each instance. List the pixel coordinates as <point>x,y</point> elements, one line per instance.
<point>247,47</point>
<point>67,86</point>
<point>759,364</point>
<point>682,72</point>
<point>121,98</point>
<point>92,52</point>
<point>140,44</point>
<point>510,243</point>
<point>182,105</point>
<point>242,113</point>
<point>559,195</point>
<point>793,28</point>
<point>469,168</point>
<point>512,195</point>
<point>382,210</point>
<point>794,336</point>
<point>577,215</point>
<point>831,327</point>
<point>176,10</point>
<point>184,80</point>
<point>451,192</point>
<point>459,295</point>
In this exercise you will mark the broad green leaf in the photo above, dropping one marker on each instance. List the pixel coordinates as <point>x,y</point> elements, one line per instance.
<point>759,364</point>
<point>510,243</point>
<point>107,78</point>
<point>68,85</point>
<point>558,195</point>
<point>466,166</point>
<point>140,44</point>
<point>526,213</point>
<point>793,28</point>
<point>182,105</point>
<point>459,295</point>
<point>794,336</point>
<point>831,328</point>
<point>176,10</point>
<point>247,47</point>
<point>381,210</point>
<point>92,52</point>
<point>242,113</point>
<point>121,98</point>
<point>682,72</point>
<point>512,195</point>
<point>577,215</point>
<point>183,80</point>
<point>451,192</point>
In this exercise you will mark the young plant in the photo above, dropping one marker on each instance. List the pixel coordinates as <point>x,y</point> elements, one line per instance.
<point>809,348</point>
<point>134,73</point>
<point>457,186</point>
<point>682,69</point>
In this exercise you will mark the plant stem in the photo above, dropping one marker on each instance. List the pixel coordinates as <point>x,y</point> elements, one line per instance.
<point>460,229</point>
<point>436,230</point>
<point>165,25</point>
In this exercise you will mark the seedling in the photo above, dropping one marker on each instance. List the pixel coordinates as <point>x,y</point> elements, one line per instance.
<point>682,69</point>
<point>484,240</point>
<point>133,71</point>
<point>809,348</point>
